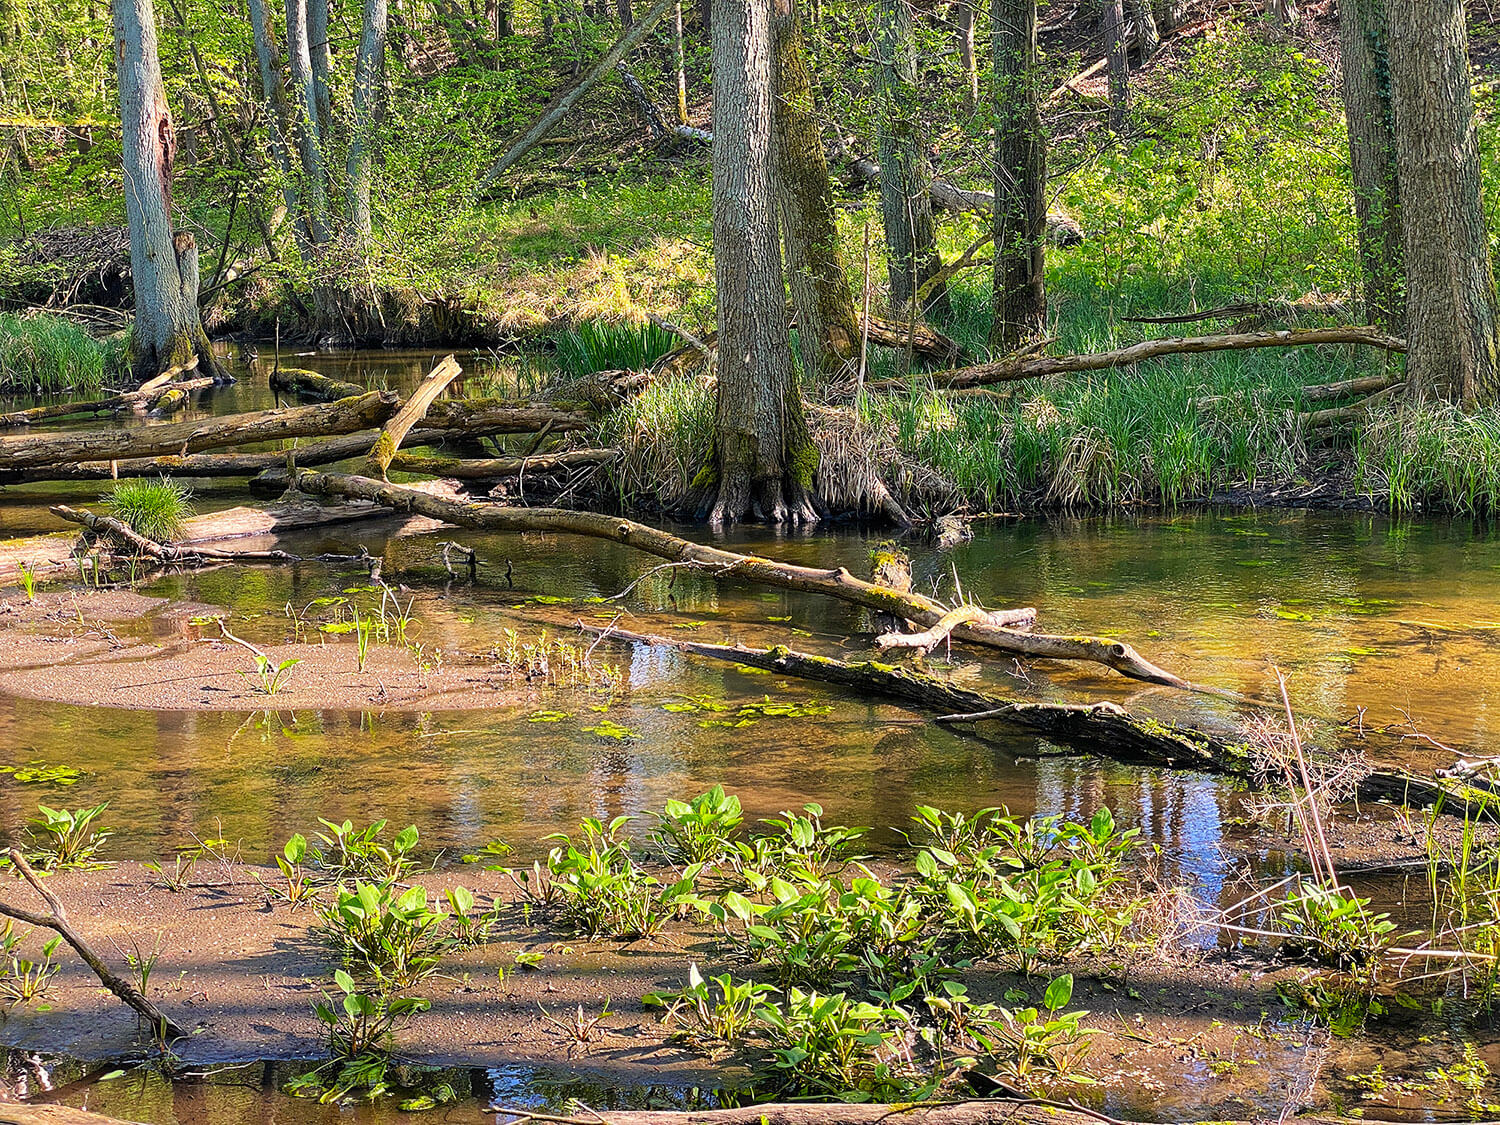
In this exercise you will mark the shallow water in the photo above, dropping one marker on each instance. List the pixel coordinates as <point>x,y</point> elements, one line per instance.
<point>1397,620</point>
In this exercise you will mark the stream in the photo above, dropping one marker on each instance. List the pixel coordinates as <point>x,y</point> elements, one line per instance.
<point>1397,621</point>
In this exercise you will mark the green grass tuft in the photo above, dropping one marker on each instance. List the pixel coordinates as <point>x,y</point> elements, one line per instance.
<point>52,355</point>
<point>153,508</point>
<point>601,345</point>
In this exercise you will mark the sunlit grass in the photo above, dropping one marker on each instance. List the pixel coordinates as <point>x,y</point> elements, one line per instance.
<point>51,355</point>
<point>156,509</point>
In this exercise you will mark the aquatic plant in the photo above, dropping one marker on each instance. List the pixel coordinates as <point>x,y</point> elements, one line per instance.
<point>395,939</point>
<point>27,575</point>
<point>602,345</point>
<point>1332,925</point>
<point>834,1046</point>
<point>176,878</point>
<point>360,1028</point>
<point>701,830</point>
<point>469,926</point>
<point>270,676</point>
<point>717,1012</point>
<point>23,980</point>
<point>346,852</point>
<point>601,891</point>
<point>41,354</point>
<point>297,887</point>
<point>67,837</point>
<point>154,509</point>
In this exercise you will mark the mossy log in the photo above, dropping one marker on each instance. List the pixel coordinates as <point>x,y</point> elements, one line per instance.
<point>497,468</point>
<point>138,398</point>
<point>310,385</point>
<point>182,438</point>
<point>998,632</point>
<point>1102,728</point>
<point>412,411</point>
<point>1014,368</point>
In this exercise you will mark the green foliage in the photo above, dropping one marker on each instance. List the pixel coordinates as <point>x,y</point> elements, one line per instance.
<point>23,980</point>
<point>297,887</point>
<point>597,345</point>
<point>666,435</point>
<point>397,939</point>
<point>832,1045</point>
<point>360,1027</point>
<point>270,676</point>
<point>345,852</point>
<point>601,891</point>
<point>155,509</point>
<point>701,830</point>
<point>1430,454</point>
<point>42,354</point>
<point>714,1013</point>
<point>1333,926</point>
<point>67,837</point>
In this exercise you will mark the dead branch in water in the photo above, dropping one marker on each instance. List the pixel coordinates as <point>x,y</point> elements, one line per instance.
<point>998,632</point>
<point>412,411</point>
<point>1011,370</point>
<point>57,920</point>
<point>495,468</point>
<point>111,528</point>
<point>311,386</point>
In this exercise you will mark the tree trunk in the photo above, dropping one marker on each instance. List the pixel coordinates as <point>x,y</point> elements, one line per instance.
<point>963,19</point>
<point>905,207</point>
<point>1453,328</point>
<point>826,322</point>
<point>1020,215</point>
<point>1147,32</point>
<point>679,55</point>
<point>304,106</point>
<point>764,460</point>
<point>1372,156</point>
<point>164,267</point>
<point>369,69</point>
<point>1112,35</point>
<point>627,15</point>
<point>322,63</point>
<point>279,126</point>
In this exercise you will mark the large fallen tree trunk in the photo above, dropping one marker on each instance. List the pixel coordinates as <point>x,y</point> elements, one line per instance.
<point>1013,369</point>
<point>1104,728</point>
<point>182,438</point>
<point>310,385</point>
<point>412,411</point>
<point>145,398</point>
<point>998,632</point>
<point>496,468</point>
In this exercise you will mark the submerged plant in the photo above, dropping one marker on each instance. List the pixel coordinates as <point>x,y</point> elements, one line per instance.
<point>154,509</point>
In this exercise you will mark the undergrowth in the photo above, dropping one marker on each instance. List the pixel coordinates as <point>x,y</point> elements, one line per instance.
<point>52,355</point>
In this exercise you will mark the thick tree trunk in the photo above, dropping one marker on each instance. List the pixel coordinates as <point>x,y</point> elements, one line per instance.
<point>1453,325</point>
<point>963,19</point>
<point>905,206</point>
<point>304,106</point>
<point>369,69</point>
<point>1372,154</point>
<point>1020,215</point>
<point>826,321</point>
<point>764,460</point>
<point>1147,33</point>
<point>164,267</point>
<point>321,52</point>
<point>1112,35</point>
<point>627,14</point>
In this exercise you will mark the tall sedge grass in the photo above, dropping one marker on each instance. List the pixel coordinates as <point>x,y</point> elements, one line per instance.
<point>156,509</point>
<point>52,355</point>
<point>597,345</point>
<point>1431,454</point>
<point>666,434</point>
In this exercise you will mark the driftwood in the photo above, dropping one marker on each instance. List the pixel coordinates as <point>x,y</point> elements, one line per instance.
<point>394,432</point>
<point>1103,728</point>
<point>935,634</point>
<point>107,527</point>
<point>57,920</point>
<point>140,399</point>
<point>310,385</point>
<point>1031,367</point>
<point>999,632</point>
<point>182,438</point>
<point>496,468</point>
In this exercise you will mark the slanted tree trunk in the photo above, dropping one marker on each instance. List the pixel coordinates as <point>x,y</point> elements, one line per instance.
<point>1363,47</point>
<point>905,207</point>
<point>164,266</point>
<point>369,69</point>
<point>1112,35</point>
<point>1453,327</point>
<point>304,109</point>
<point>627,15</point>
<point>764,460</point>
<point>1020,214</point>
<point>963,19</point>
<point>826,322</point>
<point>1146,30</point>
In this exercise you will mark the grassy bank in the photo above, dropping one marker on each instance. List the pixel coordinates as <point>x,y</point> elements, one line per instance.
<point>52,355</point>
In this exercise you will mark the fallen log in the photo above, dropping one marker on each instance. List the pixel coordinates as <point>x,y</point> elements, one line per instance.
<point>1105,729</point>
<point>394,432</point>
<point>495,468</point>
<point>182,438</point>
<point>107,527</point>
<point>1345,388</point>
<point>310,385</point>
<point>137,398</point>
<point>998,632</point>
<point>162,1025</point>
<point>989,1111</point>
<point>1302,306</point>
<point>1032,367</point>
<point>1334,415</point>
<point>500,416</point>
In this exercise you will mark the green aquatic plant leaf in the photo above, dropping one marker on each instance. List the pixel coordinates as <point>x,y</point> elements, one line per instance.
<point>548,716</point>
<point>608,728</point>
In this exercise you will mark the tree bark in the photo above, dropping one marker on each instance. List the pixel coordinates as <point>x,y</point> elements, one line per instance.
<point>827,324</point>
<point>1020,215</point>
<point>29,450</point>
<point>321,53</point>
<point>279,125</point>
<point>679,57</point>
<point>304,107</point>
<point>1372,155</point>
<point>1453,323</point>
<point>1112,35</point>
<point>1015,368</point>
<point>905,206</point>
<point>1148,34</point>
<point>164,267</point>
<point>627,14</point>
<point>963,19</point>
<point>763,460</point>
<point>369,71</point>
